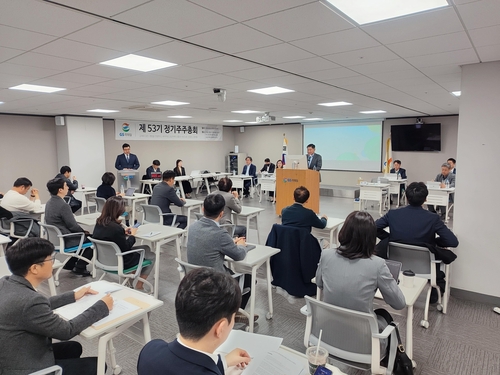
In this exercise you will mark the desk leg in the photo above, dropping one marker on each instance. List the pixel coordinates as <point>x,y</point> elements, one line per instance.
<point>269,290</point>
<point>252,299</point>
<point>132,215</point>
<point>409,332</point>
<point>248,226</point>
<point>183,195</point>
<point>157,247</point>
<point>178,247</point>
<point>257,227</point>
<point>399,192</point>
<point>146,329</point>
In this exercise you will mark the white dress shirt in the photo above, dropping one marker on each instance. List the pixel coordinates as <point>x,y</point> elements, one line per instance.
<point>13,201</point>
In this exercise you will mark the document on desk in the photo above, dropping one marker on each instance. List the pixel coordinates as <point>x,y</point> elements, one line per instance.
<point>72,310</point>
<point>257,346</point>
<point>150,234</point>
<point>120,308</point>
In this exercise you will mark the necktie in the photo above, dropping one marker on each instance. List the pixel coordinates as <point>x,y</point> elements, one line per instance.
<point>126,157</point>
<point>220,365</point>
<point>309,161</point>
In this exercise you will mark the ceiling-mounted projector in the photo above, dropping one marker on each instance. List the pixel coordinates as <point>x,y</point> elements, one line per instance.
<point>221,94</point>
<point>265,118</point>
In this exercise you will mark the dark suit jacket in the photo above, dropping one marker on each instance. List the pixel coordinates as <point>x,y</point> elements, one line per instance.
<point>298,216</point>
<point>150,170</point>
<point>105,191</point>
<point>181,173</point>
<point>415,226</point>
<point>27,323</point>
<point>252,172</point>
<point>72,185</point>
<point>121,162</point>
<point>402,172</point>
<point>268,168</point>
<point>316,162</point>
<point>161,358</point>
<point>163,196</point>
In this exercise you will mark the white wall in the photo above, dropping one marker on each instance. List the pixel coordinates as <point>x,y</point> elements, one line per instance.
<point>28,149</point>
<point>476,206</point>
<point>194,154</point>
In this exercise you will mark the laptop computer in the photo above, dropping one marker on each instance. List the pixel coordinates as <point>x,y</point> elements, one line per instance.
<point>156,175</point>
<point>130,192</point>
<point>395,268</point>
<point>249,247</point>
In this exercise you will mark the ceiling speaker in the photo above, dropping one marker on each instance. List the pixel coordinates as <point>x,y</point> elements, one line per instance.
<point>60,121</point>
<point>242,129</point>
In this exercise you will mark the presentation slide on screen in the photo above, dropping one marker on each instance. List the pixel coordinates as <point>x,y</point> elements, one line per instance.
<point>347,146</point>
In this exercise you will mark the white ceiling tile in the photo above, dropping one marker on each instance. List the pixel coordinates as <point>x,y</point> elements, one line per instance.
<point>50,81</point>
<point>460,2</point>
<point>41,61</point>
<point>108,34</point>
<point>241,10</point>
<point>307,65</point>
<point>382,67</point>
<point>224,64</point>
<point>151,79</point>
<point>8,53</point>
<point>176,18</point>
<point>342,41</point>
<point>434,44</point>
<point>22,39</point>
<point>324,75</point>
<point>489,53</point>
<point>179,52</point>
<point>480,14</point>
<point>314,19</point>
<point>28,73</point>
<point>485,36</point>
<point>417,26</point>
<point>257,73</point>
<point>394,76</point>
<point>78,51</point>
<point>465,56</point>
<point>276,54</point>
<point>42,17</point>
<point>78,78</point>
<point>219,80</point>
<point>105,71</point>
<point>432,71</point>
<point>233,39</point>
<point>362,56</point>
<point>182,72</point>
<point>106,8</point>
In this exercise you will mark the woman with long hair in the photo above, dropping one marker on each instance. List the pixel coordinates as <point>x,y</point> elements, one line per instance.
<point>180,171</point>
<point>108,228</point>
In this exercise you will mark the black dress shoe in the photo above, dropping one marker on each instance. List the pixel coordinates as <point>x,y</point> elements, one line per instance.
<point>81,272</point>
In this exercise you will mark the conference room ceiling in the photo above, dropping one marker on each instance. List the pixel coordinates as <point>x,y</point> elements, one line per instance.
<point>406,66</point>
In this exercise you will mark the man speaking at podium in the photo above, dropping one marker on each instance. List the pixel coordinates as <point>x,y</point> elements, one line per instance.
<point>127,160</point>
<point>314,160</point>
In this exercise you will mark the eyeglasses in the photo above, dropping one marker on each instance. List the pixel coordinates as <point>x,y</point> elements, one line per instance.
<point>52,259</point>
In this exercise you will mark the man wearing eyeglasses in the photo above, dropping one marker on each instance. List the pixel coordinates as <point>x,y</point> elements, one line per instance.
<point>27,320</point>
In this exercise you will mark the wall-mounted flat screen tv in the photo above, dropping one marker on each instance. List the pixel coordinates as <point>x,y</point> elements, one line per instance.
<point>417,137</point>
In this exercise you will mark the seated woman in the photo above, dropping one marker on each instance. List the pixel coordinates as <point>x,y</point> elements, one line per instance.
<point>108,228</point>
<point>106,189</point>
<point>180,171</point>
<point>350,275</point>
<point>154,168</point>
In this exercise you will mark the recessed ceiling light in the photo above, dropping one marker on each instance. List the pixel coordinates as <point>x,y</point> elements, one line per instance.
<point>36,88</point>
<point>245,111</point>
<point>1,102</point>
<point>367,11</point>
<point>457,93</point>
<point>271,90</point>
<point>334,104</point>
<point>233,121</point>
<point>180,116</point>
<point>136,62</point>
<point>294,116</point>
<point>371,112</point>
<point>313,119</point>
<point>169,102</point>
<point>102,110</point>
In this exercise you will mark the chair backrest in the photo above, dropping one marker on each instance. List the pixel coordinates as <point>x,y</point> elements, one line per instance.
<point>415,258</point>
<point>187,267</point>
<point>347,334</point>
<point>67,199</point>
<point>152,214</point>
<point>230,228</point>
<point>54,370</point>
<point>52,233</point>
<point>100,202</point>
<point>105,254</point>
<point>4,268</point>
<point>198,215</point>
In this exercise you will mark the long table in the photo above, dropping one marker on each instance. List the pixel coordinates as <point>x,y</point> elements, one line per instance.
<point>249,213</point>
<point>331,231</point>
<point>441,197</point>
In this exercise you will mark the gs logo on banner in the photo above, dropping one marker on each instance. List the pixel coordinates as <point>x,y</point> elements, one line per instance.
<point>126,127</point>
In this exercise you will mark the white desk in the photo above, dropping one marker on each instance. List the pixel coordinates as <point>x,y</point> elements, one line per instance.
<point>372,192</point>
<point>331,231</point>
<point>239,182</point>
<point>206,176</point>
<point>254,259</point>
<point>166,234</point>
<point>108,331</point>
<point>150,183</point>
<point>249,213</point>
<point>395,187</point>
<point>137,197</point>
<point>440,197</point>
<point>86,193</point>
<point>191,204</point>
<point>267,183</point>
<point>88,220</point>
<point>411,295</point>
<point>4,240</point>
<point>179,179</point>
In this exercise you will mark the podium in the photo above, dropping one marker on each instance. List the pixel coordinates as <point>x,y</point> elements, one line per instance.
<point>287,180</point>
<point>128,178</point>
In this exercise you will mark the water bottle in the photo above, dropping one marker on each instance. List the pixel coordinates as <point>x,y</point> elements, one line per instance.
<point>398,176</point>
<point>447,184</point>
<point>360,180</point>
<point>122,189</point>
<point>178,192</point>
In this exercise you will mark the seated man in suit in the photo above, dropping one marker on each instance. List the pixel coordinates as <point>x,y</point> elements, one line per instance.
<point>268,166</point>
<point>249,170</point>
<point>205,307</point>
<point>416,226</point>
<point>21,206</point>
<point>65,174</point>
<point>232,204</point>
<point>164,195</point>
<point>443,177</point>
<point>28,323</point>
<point>208,244</point>
<point>298,216</point>
<point>58,213</point>
<point>154,168</point>
<point>127,160</point>
<point>401,172</point>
